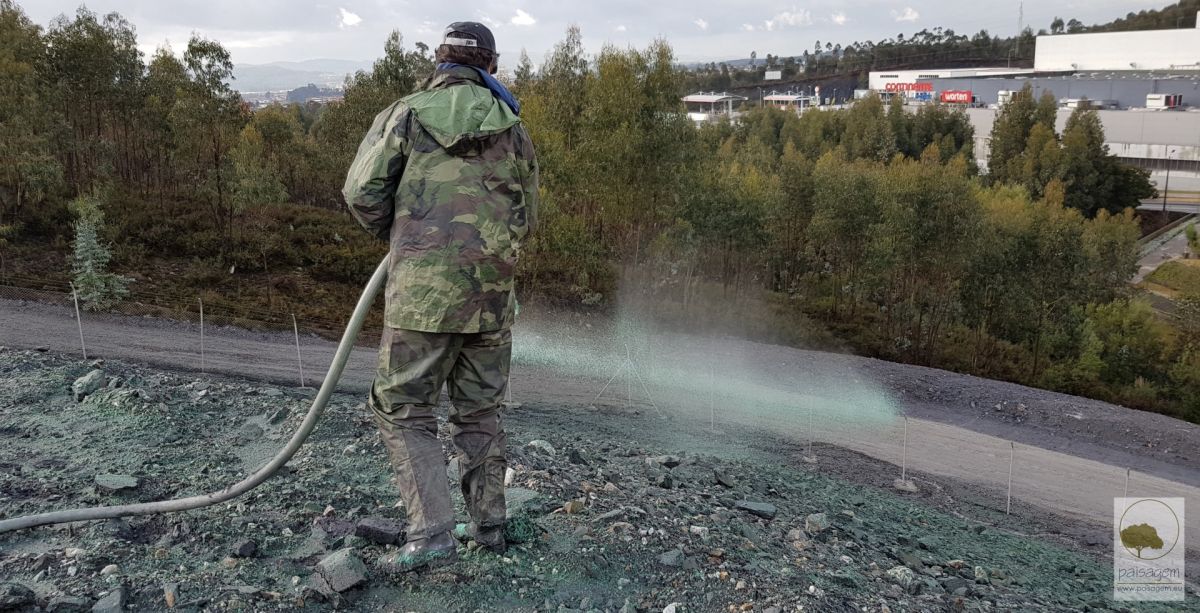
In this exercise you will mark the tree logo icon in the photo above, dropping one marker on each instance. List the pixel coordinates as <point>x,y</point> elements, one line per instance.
<point>1149,529</point>
<point>1139,537</point>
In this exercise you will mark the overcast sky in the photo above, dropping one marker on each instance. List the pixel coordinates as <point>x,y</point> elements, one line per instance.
<point>259,31</point>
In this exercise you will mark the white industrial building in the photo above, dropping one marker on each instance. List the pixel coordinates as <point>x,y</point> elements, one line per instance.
<point>1122,69</point>
<point>894,80</point>
<point>1153,74</point>
<point>707,106</point>
<point>1167,50</point>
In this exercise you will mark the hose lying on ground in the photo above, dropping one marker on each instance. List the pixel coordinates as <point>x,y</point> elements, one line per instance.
<point>259,476</point>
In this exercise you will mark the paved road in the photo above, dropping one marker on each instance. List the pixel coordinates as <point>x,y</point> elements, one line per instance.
<point>1167,247</point>
<point>1179,206</point>
<point>1071,453</point>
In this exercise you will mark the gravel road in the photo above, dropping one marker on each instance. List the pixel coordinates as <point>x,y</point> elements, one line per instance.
<point>1071,454</point>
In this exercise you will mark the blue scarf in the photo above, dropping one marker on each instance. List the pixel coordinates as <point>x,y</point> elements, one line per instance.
<point>498,88</point>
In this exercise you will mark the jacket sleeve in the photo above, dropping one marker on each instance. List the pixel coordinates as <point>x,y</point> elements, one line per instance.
<point>529,183</point>
<point>370,187</point>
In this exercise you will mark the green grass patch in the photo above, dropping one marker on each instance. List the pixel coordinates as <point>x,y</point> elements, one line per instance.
<point>1182,276</point>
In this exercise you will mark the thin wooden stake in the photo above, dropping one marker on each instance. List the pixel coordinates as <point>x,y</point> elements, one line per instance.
<point>712,398</point>
<point>201,301</point>
<point>810,431</point>
<point>616,374</point>
<point>299,360</point>
<point>1127,471</point>
<point>904,454</point>
<point>79,320</point>
<point>628,381</point>
<point>1012,452</point>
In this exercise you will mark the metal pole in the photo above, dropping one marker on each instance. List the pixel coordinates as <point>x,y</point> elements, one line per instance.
<point>904,453</point>
<point>1012,451</point>
<point>299,361</point>
<point>79,320</point>
<point>201,301</point>
<point>1126,495</point>
<point>1167,185</point>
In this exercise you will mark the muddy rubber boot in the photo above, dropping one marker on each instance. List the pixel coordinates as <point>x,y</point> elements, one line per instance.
<point>429,552</point>
<point>491,539</point>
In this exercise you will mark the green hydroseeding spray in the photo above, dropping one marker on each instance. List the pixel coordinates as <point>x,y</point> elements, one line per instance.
<point>692,375</point>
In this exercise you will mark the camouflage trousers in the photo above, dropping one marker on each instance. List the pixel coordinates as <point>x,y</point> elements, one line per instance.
<point>413,367</point>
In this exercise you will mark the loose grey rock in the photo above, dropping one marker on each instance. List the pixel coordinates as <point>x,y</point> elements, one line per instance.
<point>723,479</point>
<point>668,461</point>
<point>115,483</point>
<point>114,602</point>
<point>542,446</point>
<point>68,604</point>
<point>902,575</point>
<point>87,384</point>
<point>111,569</point>
<point>981,575</point>
<point>953,584</point>
<point>342,570</point>
<point>244,548</point>
<point>520,501</point>
<point>14,596</point>
<point>910,559</point>
<point>672,558</point>
<point>764,510</point>
<point>574,456</point>
<point>816,522</point>
<point>171,594</point>
<point>42,562</point>
<point>379,530</point>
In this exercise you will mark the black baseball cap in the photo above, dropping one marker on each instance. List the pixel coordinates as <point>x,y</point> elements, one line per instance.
<point>469,34</point>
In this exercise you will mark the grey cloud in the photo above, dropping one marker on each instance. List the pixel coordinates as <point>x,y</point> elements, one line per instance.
<point>268,30</point>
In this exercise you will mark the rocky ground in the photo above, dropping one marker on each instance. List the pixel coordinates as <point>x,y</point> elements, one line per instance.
<point>609,513</point>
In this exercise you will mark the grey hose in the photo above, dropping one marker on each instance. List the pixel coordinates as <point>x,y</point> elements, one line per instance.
<point>259,476</point>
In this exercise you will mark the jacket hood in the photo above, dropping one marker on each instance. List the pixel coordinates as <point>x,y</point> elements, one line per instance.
<point>455,107</point>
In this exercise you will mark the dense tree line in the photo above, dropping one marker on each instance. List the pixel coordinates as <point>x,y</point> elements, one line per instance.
<point>936,47</point>
<point>940,47</point>
<point>84,110</point>
<point>1182,14</point>
<point>872,220</point>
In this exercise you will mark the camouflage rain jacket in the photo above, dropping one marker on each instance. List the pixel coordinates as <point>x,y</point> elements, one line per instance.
<point>448,174</point>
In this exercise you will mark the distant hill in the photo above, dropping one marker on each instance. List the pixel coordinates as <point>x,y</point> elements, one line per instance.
<point>284,76</point>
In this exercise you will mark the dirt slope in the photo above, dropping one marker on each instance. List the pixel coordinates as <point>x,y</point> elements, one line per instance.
<point>662,511</point>
<point>1072,453</point>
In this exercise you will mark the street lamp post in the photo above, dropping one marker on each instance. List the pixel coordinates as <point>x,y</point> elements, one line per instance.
<point>1167,182</point>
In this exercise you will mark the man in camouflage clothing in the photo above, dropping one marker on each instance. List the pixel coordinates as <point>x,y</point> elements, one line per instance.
<point>448,175</point>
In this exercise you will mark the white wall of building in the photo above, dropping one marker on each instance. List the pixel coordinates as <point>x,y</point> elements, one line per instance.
<point>1138,135</point>
<point>1145,50</point>
<point>879,80</point>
